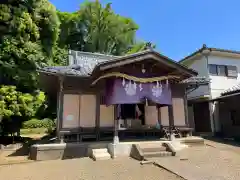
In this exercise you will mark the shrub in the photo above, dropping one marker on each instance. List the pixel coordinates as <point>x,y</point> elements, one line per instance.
<point>36,123</point>
<point>15,103</point>
<point>51,131</point>
<point>48,123</point>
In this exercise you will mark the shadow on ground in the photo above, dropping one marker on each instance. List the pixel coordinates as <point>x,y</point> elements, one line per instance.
<point>227,141</point>
<point>20,146</point>
<point>71,151</point>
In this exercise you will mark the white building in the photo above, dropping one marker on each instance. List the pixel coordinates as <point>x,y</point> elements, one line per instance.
<point>222,67</point>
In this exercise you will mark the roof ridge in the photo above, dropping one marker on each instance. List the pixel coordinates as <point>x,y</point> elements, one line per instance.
<point>91,53</point>
<point>211,49</point>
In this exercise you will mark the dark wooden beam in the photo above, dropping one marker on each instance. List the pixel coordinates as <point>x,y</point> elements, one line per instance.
<point>186,108</point>
<point>60,106</point>
<point>171,118</point>
<point>116,138</point>
<point>97,123</point>
<point>159,115</point>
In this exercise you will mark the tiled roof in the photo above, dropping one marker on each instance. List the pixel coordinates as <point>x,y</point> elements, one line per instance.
<point>196,80</point>
<point>78,71</point>
<point>74,70</point>
<point>83,63</point>
<point>231,90</point>
<point>88,61</point>
<point>210,49</point>
<point>80,64</point>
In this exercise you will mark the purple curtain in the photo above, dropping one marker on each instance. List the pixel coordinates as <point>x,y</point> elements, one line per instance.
<point>129,92</point>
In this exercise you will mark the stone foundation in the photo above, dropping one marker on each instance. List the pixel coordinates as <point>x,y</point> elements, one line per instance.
<point>41,152</point>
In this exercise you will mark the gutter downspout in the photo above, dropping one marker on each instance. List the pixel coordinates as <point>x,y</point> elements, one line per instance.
<point>206,52</point>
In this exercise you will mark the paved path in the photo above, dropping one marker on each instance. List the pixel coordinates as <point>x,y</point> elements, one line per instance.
<point>86,169</point>
<point>204,163</point>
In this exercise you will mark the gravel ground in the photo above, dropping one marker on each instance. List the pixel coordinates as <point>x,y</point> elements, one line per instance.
<point>224,145</point>
<point>86,169</point>
<point>204,163</point>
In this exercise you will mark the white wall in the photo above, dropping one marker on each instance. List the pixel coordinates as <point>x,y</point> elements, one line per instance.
<point>218,83</point>
<point>221,83</point>
<point>200,66</point>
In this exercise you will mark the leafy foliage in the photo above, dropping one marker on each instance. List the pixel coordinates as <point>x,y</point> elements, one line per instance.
<point>140,46</point>
<point>15,103</point>
<point>36,123</point>
<point>29,20</point>
<point>60,56</point>
<point>28,34</point>
<point>96,28</point>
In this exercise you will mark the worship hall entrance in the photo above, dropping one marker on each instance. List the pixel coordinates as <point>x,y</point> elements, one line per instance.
<point>134,121</point>
<point>132,113</point>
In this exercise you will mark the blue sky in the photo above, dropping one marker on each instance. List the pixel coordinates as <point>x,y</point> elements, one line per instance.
<point>178,27</point>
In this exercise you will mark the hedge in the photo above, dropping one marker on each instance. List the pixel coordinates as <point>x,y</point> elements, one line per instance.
<point>36,123</point>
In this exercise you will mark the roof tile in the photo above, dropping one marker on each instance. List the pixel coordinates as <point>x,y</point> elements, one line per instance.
<point>231,90</point>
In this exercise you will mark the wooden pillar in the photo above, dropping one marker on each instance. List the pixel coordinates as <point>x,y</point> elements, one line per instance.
<point>170,114</point>
<point>171,119</point>
<point>60,107</point>
<point>159,115</point>
<point>97,122</point>
<point>116,138</point>
<point>186,109</point>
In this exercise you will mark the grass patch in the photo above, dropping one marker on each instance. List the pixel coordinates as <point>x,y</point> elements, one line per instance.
<point>33,131</point>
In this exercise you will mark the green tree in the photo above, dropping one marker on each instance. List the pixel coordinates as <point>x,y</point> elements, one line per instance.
<point>68,29</point>
<point>60,56</point>
<point>15,103</point>
<point>96,28</point>
<point>28,34</point>
<point>140,46</point>
<point>16,107</point>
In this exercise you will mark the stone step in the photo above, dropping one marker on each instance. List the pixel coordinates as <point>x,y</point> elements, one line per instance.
<point>151,144</point>
<point>101,156</point>
<point>192,141</point>
<point>154,149</point>
<point>102,150</point>
<point>157,154</point>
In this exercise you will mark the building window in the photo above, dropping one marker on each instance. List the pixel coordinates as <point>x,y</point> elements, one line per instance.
<point>213,69</point>
<point>232,71</point>
<point>222,70</point>
<point>234,115</point>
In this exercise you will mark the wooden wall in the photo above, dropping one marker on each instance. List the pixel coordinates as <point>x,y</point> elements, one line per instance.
<point>80,104</point>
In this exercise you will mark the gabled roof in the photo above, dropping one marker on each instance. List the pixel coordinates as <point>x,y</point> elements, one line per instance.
<point>153,54</point>
<point>87,62</point>
<point>210,49</point>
